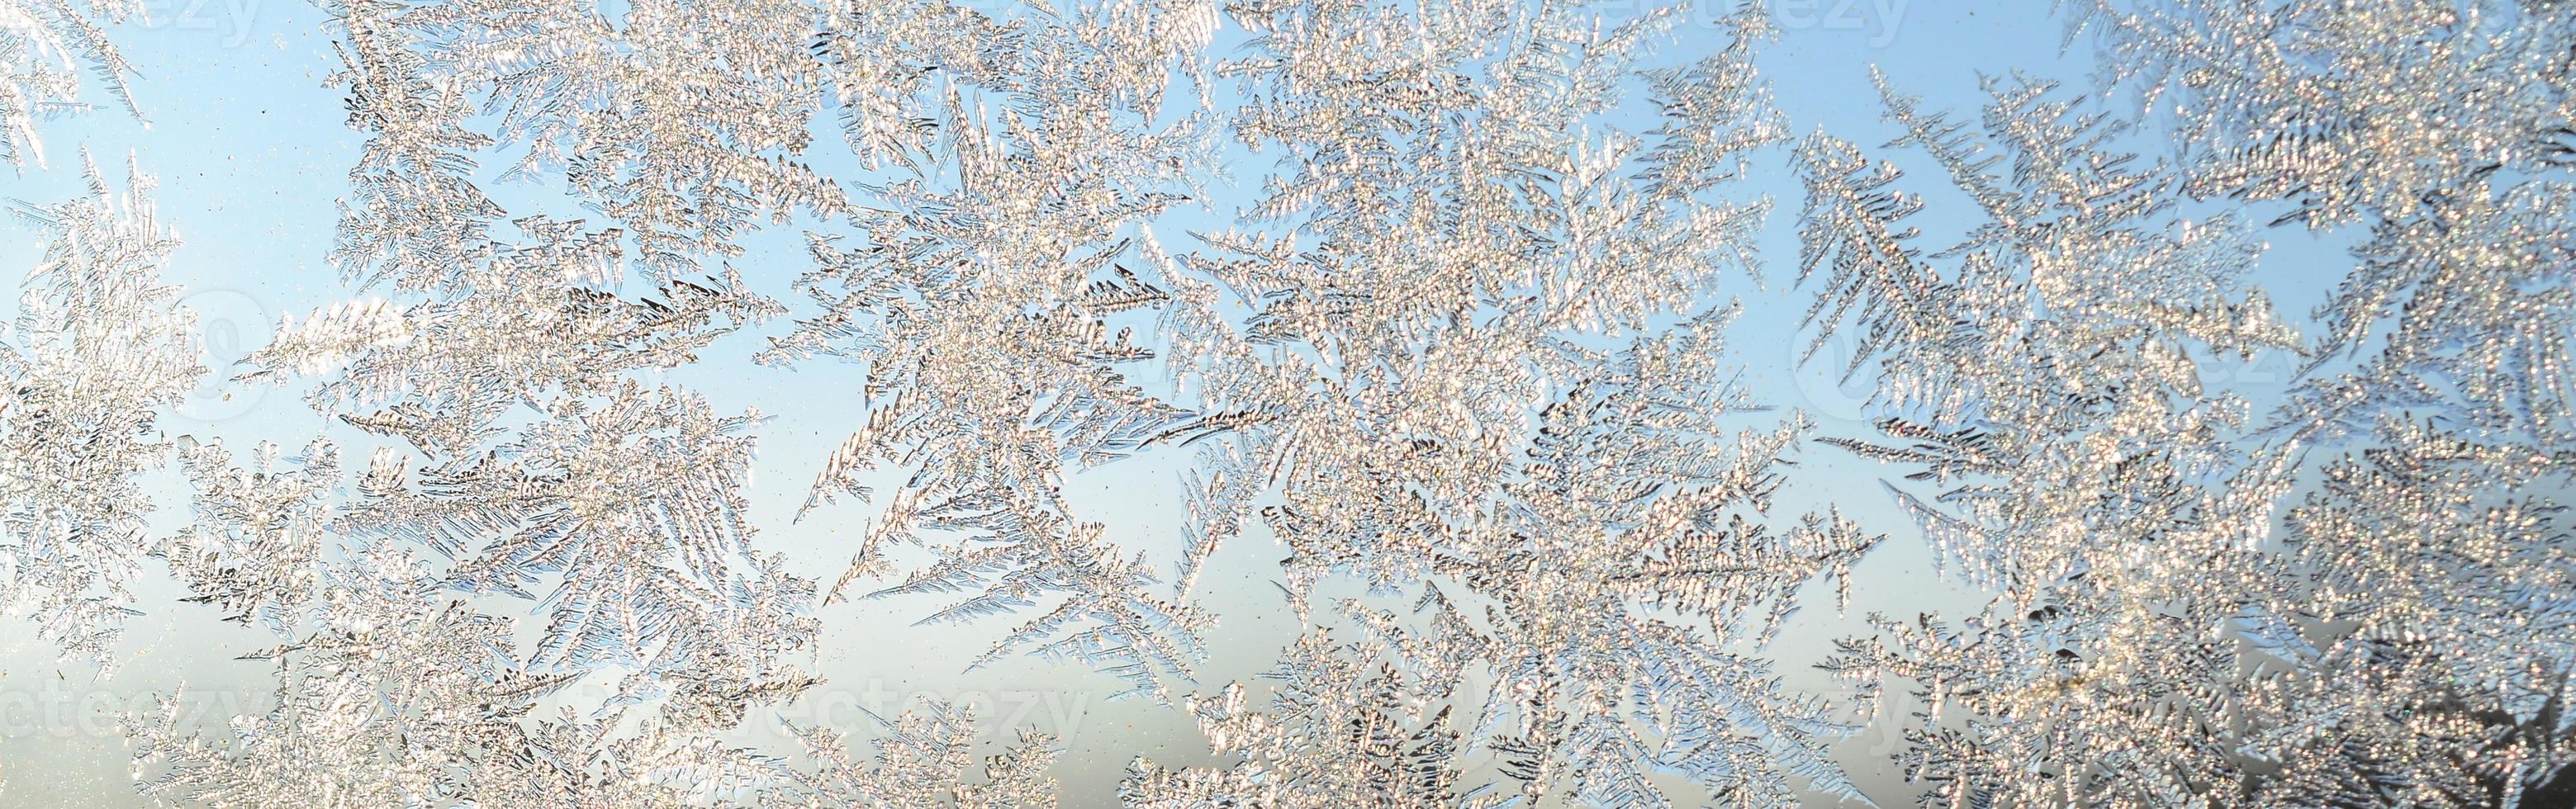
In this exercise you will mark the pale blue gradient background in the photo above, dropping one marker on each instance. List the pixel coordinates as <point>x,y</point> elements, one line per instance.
<point>250,150</point>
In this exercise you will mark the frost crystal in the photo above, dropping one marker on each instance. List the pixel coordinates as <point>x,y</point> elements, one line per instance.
<point>2050,397</point>
<point>1474,245</point>
<point>98,348</point>
<point>42,46</point>
<point>977,307</point>
<point>1456,345</point>
<point>527,469</point>
<point>2159,638</point>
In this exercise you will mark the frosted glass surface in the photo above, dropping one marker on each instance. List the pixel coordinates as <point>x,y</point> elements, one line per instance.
<point>1287,403</point>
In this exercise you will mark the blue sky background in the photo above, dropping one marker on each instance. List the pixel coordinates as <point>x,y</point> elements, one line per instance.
<point>250,149</point>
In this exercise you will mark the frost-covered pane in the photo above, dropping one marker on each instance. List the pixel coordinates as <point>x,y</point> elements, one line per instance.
<point>1290,403</point>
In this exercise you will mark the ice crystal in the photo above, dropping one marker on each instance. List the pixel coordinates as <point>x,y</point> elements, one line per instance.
<point>1386,382</point>
<point>255,548</point>
<point>678,121</point>
<point>363,719</point>
<point>923,763</point>
<point>2439,384</point>
<point>977,308</point>
<point>1398,357</point>
<point>2345,109</point>
<point>2152,615</point>
<point>2045,382</point>
<point>1344,730</point>
<point>43,46</point>
<point>98,349</point>
<point>2441,565</point>
<point>528,466</point>
<point>1620,576</point>
<point>1462,353</point>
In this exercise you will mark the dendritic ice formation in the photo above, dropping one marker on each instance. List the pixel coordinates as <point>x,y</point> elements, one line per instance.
<point>45,46</point>
<point>2044,389</point>
<point>1435,395</point>
<point>97,349</point>
<point>2357,600</point>
<point>1437,307</point>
